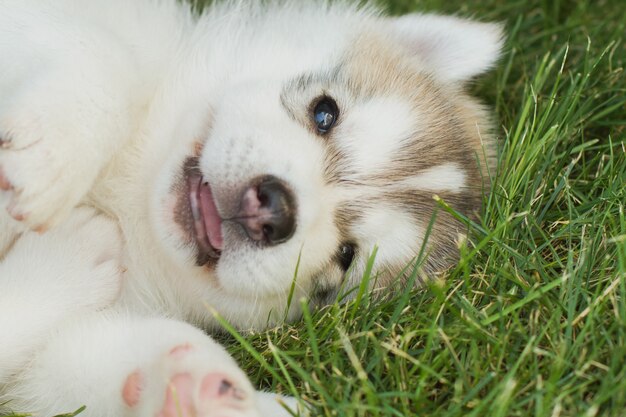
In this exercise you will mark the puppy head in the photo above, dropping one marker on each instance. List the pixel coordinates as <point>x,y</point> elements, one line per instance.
<point>321,153</point>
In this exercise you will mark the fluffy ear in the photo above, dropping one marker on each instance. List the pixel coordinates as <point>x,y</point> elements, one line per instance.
<point>454,49</point>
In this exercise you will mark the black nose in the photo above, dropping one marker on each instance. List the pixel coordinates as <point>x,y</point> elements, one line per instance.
<point>268,212</point>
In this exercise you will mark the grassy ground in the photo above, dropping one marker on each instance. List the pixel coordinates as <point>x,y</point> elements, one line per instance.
<point>533,320</point>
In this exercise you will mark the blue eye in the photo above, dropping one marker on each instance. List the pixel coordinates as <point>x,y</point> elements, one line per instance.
<point>325,114</point>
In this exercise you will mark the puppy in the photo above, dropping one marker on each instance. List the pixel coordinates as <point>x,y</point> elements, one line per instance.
<point>157,166</point>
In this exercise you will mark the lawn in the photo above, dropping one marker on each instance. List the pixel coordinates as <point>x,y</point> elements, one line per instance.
<point>532,322</point>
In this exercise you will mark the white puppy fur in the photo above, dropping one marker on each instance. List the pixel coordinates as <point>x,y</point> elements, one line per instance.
<point>102,106</point>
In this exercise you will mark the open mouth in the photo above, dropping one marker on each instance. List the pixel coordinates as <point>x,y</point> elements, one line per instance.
<point>207,223</point>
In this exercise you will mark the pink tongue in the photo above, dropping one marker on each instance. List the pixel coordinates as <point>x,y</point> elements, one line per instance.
<point>212,220</point>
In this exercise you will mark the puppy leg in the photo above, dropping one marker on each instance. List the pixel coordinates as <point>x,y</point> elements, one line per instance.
<point>46,278</point>
<point>68,101</point>
<point>122,366</point>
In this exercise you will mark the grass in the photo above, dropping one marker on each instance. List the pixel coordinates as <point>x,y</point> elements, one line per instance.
<point>532,322</point>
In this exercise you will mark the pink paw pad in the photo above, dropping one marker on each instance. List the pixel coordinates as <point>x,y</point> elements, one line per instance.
<point>131,392</point>
<point>5,185</point>
<point>217,394</point>
<point>181,350</point>
<point>217,386</point>
<point>179,397</point>
<point>13,212</point>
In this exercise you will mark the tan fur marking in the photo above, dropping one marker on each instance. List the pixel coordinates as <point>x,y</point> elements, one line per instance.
<point>450,128</point>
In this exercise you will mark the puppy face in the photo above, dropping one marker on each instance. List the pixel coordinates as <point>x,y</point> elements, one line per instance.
<point>309,169</point>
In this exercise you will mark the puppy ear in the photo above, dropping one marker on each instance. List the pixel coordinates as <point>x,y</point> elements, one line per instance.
<point>454,49</point>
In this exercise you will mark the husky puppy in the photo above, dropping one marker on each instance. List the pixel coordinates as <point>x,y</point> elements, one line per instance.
<point>157,166</point>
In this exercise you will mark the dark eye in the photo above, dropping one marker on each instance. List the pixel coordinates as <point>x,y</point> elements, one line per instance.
<point>345,255</point>
<point>325,114</point>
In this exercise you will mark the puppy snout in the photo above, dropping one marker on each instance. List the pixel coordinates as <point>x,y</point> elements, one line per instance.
<point>267,211</point>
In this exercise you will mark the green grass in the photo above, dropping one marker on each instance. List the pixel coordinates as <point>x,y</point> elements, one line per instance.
<point>532,322</point>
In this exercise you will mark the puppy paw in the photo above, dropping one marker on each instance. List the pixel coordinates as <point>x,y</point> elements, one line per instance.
<point>42,175</point>
<point>55,137</point>
<point>276,405</point>
<point>81,259</point>
<point>186,382</point>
